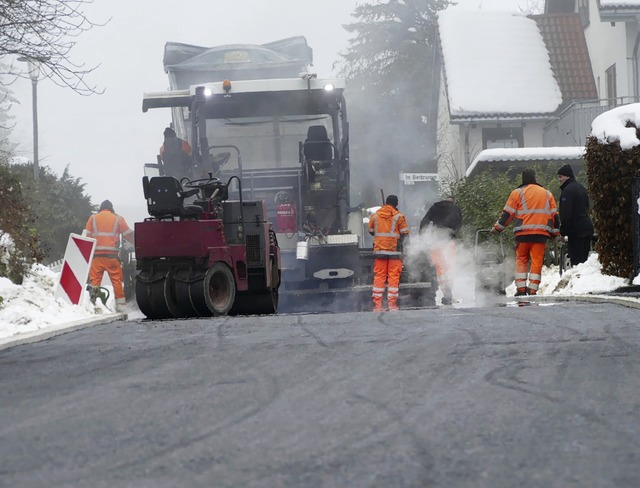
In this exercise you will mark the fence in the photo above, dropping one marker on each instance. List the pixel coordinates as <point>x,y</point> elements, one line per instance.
<point>56,266</point>
<point>573,125</point>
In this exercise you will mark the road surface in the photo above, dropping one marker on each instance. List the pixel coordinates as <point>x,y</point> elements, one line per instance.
<point>535,396</point>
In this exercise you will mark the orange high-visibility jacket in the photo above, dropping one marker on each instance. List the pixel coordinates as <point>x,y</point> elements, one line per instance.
<point>386,226</point>
<point>106,227</point>
<point>185,147</point>
<point>533,211</point>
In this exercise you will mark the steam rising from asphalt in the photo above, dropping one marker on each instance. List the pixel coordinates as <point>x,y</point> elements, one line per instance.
<point>473,267</point>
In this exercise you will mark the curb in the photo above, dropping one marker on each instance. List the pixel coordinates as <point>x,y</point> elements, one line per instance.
<point>56,330</point>
<point>615,299</point>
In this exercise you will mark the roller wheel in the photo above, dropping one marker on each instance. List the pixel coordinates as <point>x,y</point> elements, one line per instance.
<point>252,303</point>
<point>155,296</point>
<point>197,298</point>
<point>216,293</point>
<point>182,283</point>
<point>268,302</point>
<point>220,289</point>
<point>143,298</point>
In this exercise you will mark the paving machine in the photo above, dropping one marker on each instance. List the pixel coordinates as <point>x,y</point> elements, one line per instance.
<point>210,256</point>
<point>256,113</point>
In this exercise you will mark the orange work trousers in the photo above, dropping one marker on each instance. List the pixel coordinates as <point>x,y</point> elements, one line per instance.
<point>443,256</point>
<point>529,261</point>
<point>112,266</point>
<point>386,271</point>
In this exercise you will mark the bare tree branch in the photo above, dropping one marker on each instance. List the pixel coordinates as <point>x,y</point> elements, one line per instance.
<point>45,31</point>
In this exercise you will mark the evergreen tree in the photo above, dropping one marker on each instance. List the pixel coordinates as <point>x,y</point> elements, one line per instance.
<point>19,246</point>
<point>392,73</point>
<point>59,206</point>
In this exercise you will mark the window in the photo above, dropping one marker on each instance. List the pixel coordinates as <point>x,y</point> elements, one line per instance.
<point>502,137</point>
<point>610,85</point>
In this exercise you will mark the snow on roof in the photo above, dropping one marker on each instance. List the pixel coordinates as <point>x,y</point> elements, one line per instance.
<point>619,3</point>
<point>496,63</point>
<point>610,126</point>
<point>526,154</point>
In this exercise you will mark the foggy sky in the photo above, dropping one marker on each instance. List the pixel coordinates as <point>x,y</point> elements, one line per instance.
<point>106,139</point>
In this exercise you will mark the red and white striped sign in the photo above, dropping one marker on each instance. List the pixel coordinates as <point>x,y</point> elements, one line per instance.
<point>75,268</point>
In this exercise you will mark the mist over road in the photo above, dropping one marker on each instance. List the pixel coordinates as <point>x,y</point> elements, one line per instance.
<point>494,397</point>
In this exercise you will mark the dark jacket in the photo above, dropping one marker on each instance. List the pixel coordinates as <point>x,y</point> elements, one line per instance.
<point>176,157</point>
<point>574,210</point>
<point>444,215</point>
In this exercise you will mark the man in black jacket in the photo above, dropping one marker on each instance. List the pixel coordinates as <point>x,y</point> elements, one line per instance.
<point>575,223</point>
<point>446,218</point>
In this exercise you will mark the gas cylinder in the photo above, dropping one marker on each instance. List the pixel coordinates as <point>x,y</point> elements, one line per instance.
<point>286,217</point>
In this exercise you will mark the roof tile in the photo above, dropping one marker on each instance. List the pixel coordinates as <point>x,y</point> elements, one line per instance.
<point>569,56</point>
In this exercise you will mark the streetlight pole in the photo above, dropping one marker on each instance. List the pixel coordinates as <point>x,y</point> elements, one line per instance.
<point>34,74</point>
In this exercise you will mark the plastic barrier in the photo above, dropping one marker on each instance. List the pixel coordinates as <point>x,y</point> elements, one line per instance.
<point>75,268</point>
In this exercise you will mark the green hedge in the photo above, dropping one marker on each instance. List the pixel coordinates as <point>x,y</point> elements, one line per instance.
<point>611,173</point>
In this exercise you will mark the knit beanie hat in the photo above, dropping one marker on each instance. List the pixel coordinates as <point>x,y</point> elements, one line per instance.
<point>566,171</point>
<point>528,177</point>
<point>169,132</point>
<point>106,205</point>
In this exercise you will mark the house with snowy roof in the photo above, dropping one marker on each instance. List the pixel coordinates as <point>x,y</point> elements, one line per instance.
<point>525,83</point>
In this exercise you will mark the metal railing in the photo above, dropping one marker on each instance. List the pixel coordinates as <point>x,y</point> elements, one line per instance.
<point>56,266</point>
<point>573,125</point>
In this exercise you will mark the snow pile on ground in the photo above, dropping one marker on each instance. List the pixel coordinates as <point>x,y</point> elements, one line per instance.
<point>580,280</point>
<point>31,306</point>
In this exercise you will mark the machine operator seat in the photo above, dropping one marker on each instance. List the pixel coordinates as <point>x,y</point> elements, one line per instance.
<point>317,146</point>
<point>165,198</point>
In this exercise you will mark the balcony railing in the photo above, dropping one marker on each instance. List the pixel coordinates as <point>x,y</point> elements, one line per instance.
<point>573,125</point>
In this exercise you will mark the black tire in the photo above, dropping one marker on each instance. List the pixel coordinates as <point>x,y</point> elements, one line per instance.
<point>155,296</point>
<point>259,303</point>
<point>219,288</point>
<point>197,298</point>
<point>143,294</point>
<point>182,282</point>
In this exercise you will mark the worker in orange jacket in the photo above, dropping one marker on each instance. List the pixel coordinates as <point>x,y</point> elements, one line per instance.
<point>389,228</point>
<point>443,220</point>
<point>533,210</point>
<point>175,154</point>
<point>106,227</point>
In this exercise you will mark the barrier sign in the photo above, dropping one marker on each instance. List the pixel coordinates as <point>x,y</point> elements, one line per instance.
<point>75,268</point>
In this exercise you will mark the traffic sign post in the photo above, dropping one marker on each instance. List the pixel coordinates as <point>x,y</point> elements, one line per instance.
<point>75,268</point>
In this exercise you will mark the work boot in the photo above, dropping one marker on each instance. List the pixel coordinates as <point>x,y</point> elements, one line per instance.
<point>120,303</point>
<point>447,299</point>
<point>520,292</point>
<point>531,291</point>
<point>377,305</point>
<point>393,306</point>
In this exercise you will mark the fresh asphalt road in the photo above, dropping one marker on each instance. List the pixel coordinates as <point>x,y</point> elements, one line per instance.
<point>534,396</point>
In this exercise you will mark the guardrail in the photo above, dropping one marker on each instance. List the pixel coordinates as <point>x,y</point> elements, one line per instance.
<point>56,266</point>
